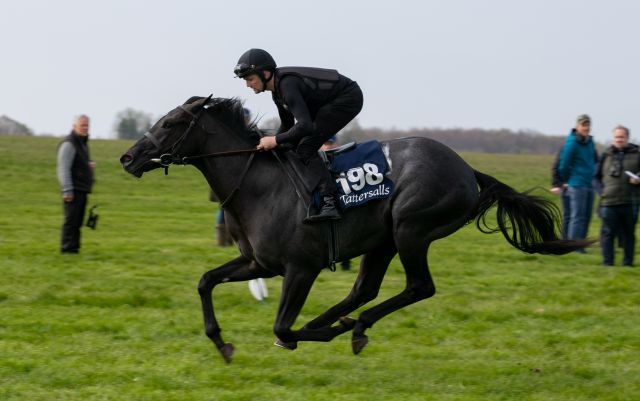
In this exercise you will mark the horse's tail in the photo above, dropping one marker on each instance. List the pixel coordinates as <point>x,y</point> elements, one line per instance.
<point>530,223</point>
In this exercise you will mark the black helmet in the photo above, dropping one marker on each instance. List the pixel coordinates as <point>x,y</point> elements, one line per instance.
<point>254,61</point>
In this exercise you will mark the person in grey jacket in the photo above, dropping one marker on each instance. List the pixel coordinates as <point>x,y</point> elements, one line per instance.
<point>75,174</point>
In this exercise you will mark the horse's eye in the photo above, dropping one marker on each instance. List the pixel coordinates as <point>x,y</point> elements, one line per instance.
<point>167,125</point>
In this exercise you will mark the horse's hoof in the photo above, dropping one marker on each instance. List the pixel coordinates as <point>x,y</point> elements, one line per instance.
<point>227,352</point>
<point>290,346</point>
<point>357,344</point>
<point>347,322</point>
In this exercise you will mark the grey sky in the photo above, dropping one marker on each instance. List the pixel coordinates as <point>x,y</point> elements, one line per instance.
<point>458,63</point>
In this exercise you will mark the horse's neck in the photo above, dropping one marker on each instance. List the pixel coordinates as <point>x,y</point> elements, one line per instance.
<point>253,188</point>
<point>221,172</point>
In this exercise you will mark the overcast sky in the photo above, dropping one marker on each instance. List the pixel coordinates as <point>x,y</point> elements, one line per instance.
<point>531,65</point>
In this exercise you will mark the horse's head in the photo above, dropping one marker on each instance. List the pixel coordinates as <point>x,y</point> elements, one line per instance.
<point>167,136</point>
<point>170,141</point>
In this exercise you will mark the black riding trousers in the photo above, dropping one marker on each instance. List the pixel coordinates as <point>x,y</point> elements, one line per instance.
<point>329,119</point>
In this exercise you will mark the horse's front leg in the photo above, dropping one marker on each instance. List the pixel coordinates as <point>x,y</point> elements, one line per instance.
<point>239,269</point>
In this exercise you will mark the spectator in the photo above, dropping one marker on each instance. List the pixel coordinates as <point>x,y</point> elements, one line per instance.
<point>619,197</point>
<point>75,174</point>
<point>576,168</point>
<point>223,237</point>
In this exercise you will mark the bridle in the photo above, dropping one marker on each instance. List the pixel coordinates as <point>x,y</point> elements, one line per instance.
<point>173,157</point>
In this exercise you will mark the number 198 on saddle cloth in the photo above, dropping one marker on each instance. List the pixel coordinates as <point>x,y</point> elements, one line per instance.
<point>360,175</point>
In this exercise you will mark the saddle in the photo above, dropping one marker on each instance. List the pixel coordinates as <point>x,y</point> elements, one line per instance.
<point>339,149</point>
<point>360,172</point>
<point>359,169</point>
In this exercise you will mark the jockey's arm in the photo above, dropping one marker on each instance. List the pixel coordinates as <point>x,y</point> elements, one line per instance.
<point>286,120</point>
<point>291,93</point>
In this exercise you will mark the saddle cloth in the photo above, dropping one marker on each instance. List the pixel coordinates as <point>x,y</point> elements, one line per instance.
<point>360,174</point>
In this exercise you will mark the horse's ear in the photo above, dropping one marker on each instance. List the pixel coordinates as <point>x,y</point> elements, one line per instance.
<point>202,102</point>
<point>193,99</point>
<point>198,101</point>
<point>195,103</point>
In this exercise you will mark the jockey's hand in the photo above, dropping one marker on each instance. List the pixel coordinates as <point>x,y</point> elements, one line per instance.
<point>267,143</point>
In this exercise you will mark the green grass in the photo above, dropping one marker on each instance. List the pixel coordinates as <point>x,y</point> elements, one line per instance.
<point>122,320</point>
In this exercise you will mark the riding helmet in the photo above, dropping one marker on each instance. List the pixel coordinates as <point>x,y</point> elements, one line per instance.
<point>254,61</point>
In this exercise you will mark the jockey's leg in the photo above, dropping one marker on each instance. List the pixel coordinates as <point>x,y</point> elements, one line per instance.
<point>326,189</point>
<point>329,119</point>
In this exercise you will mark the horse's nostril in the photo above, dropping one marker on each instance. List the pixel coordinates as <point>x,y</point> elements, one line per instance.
<point>126,159</point>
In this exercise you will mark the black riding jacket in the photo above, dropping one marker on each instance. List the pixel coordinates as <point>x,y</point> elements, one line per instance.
<point>299,93</point>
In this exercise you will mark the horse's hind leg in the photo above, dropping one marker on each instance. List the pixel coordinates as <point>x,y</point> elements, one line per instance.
<point>419,286</point>
<point>295,289</point>
<point>239,269</point>
<point>373,267</point>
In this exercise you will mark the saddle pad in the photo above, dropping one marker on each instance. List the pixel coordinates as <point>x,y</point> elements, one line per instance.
<point>360,175</point>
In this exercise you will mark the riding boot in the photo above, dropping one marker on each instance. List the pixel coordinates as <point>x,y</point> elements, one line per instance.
<point>327,211</point>
<point>326,188</point>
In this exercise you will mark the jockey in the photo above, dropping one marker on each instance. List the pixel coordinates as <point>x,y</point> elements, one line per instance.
<point>313,105</point>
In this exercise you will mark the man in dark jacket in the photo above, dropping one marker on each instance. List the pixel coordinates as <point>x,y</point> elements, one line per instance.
<point>619,198</point>
<point>313,105</point>
<point>75,174</point>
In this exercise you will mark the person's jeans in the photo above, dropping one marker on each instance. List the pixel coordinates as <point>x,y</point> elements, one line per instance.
<point>566,212</point>
<point>220,217</point>
<point>618,220</point>
<point>581,205</point>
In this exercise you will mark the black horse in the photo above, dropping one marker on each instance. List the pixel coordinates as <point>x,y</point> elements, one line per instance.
<point>436,194</point>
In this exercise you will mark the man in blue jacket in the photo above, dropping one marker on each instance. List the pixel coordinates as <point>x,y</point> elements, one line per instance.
<point>576,168</point>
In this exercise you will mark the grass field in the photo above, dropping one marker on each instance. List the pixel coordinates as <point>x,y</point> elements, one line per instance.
<point>122,320</point>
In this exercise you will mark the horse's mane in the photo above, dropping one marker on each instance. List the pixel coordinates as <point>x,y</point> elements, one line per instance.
<point>230,112</point>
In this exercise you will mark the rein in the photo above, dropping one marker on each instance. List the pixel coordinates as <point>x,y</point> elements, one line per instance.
<point>186,159</point>
<point>168,159</point>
